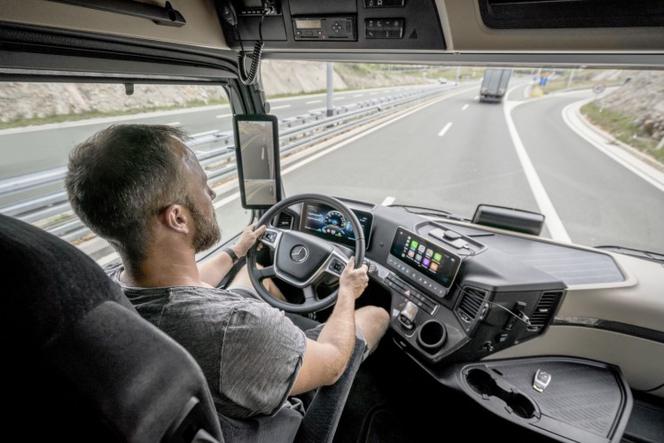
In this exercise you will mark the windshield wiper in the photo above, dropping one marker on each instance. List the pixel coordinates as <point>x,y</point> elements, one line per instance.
<point>419,210</point>
<point>639,253</point>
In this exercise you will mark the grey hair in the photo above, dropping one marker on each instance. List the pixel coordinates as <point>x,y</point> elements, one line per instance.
<point>122,176</point>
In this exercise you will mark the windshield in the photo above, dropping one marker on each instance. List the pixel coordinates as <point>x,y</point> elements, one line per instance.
<point>582,146</point>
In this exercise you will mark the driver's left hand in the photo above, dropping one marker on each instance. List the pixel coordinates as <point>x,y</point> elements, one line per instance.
<point>247,239</point>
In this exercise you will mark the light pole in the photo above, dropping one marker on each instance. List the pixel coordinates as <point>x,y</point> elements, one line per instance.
<point>330,89</point>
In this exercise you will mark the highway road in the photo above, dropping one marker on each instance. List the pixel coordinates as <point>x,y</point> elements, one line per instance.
<point>453,154</point>
<point>458,153</point>
<point>36,148</point>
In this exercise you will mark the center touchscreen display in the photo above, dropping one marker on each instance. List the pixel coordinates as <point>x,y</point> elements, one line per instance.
<point>431,260</point>
<point>330,224</point>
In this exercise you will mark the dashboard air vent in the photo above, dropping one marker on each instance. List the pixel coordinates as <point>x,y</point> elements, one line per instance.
<point>545,308</point>
<point>285,221</point>
<point>470,304</point>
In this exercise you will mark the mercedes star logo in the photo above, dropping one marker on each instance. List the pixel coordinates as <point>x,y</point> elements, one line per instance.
<point>299,253</point>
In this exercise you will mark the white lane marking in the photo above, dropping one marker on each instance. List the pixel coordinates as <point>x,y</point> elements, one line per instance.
<point>445,129</point>
<point>358,95</point>
<point>205,133</point>
<point>571,117</point>
<point>318,155</point>
<point>311,102</point>
<point>465,107</point>
<point>526,91</point>
<point>552,220</point>
<point>279,107</point>
<point>367,132</point>
<point>388,201</point>
<point>222,115</point>
<point>477,97</point>
<point>173,124</point>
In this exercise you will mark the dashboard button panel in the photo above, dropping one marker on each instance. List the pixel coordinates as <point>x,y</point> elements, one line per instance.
<point>384,27</point>
<point>412,294</point>
<point>424,282</point>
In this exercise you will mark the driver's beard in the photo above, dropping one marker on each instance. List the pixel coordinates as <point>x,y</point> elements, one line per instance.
<point>207,229</point>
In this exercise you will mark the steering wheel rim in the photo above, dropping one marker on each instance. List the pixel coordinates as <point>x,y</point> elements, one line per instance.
<point>256,275</point>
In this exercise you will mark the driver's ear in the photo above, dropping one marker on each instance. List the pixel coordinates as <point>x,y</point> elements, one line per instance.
<point>177,218</point>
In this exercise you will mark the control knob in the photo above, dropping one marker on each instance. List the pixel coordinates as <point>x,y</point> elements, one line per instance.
<point>408,314</point>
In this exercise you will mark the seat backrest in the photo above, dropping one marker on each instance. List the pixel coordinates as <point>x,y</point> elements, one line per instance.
<point>79,362</point>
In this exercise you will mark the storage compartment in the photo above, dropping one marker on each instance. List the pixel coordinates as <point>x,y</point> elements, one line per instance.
<point>584,401</point>
<point>485,384</point>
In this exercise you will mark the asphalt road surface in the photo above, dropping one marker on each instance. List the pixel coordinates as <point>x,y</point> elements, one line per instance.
<point>459,153</point>
<point>453,155</point>
<point>37,148</point>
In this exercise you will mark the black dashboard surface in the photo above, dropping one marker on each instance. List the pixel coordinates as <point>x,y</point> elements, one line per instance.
<point>572,265</point>
<point>507,290</point>
<point>569,264</point>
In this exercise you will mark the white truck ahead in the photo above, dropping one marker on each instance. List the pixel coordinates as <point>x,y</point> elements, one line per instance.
<point>494,84</point>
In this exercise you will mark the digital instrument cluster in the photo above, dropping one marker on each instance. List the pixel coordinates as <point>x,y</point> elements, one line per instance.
<point>330,224</point>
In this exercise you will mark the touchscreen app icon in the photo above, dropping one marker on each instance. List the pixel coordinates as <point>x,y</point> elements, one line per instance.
<point>437,257</point>
<point>429,253</point>
<point>426,262</point>
<point>421,249</point>
<point>411,253</point>
<point>418,257</point>
<point>433,267</point>
<point>413,244</point>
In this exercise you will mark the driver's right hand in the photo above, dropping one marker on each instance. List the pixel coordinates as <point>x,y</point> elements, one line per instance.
<point>353,281</point>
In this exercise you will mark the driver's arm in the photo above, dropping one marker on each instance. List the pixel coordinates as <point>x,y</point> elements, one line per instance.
<point>212,271</point>
<point>325,360</point>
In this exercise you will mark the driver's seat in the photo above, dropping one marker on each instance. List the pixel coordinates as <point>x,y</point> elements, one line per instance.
<point>80,364</point>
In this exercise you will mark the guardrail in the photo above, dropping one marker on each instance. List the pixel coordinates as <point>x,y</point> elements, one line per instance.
<point>46,202</point>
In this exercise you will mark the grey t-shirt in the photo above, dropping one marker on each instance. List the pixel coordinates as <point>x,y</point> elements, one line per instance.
<point>249,351</point>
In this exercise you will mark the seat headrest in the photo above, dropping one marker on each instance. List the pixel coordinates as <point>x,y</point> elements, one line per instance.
<point>48,284</point>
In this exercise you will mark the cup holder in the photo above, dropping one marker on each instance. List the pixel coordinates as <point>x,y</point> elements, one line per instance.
<point>485,384</point>
<point>431,335</point>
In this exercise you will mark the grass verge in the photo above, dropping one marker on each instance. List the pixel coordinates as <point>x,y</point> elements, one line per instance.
<point>622,127</point>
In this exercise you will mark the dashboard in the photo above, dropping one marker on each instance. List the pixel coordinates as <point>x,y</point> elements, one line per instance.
<point>460,291</point>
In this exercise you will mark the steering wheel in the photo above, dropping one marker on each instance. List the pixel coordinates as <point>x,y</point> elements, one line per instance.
<point>300,259</point>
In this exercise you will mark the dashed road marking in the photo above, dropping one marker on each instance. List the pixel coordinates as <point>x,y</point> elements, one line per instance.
<point>445,129</point>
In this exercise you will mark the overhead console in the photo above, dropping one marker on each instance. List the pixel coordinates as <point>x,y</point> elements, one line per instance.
<point>343,24</point>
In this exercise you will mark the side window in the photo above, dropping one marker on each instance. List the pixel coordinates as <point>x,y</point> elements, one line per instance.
<point>40,123</point>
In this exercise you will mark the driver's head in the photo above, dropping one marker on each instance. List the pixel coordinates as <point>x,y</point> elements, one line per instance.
<point>142,189</point>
